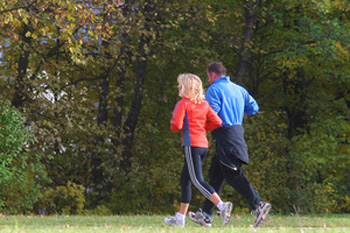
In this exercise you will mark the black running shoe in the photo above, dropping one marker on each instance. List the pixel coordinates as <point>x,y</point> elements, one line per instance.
<point>200,218</point>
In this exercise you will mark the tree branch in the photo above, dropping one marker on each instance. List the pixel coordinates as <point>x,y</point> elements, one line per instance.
<point>280,50</point>
<point>30,6</point>
<point>13,9</point>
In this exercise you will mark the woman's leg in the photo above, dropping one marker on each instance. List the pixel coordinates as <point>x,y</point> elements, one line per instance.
<point>179,218</point>
<point>194,156</point>
<point>215,199</point>
<point>184,208</point>
<point>185,182</point>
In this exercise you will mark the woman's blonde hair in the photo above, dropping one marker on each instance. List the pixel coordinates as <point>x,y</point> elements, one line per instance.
<point>191,87</point>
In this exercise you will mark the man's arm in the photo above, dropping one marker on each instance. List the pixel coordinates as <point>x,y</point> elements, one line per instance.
<point>251,106</point>
<point>214,100</point>
<point>214,121</point>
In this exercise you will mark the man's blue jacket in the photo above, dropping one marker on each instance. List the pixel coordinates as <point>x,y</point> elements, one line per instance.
<point>231,101</point>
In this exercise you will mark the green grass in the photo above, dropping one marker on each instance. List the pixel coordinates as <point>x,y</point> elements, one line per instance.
<point>80,224</point>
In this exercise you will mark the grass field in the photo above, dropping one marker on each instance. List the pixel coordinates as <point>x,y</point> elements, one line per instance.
<point>80,224</point>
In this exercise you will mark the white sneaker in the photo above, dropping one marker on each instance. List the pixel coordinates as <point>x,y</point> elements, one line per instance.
<point>225,213</point>
<point>261,212</point>
<point>173,221</point>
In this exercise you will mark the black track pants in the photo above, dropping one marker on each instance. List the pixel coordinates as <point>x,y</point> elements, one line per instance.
<point>219,173</point>
<point>192,173</point>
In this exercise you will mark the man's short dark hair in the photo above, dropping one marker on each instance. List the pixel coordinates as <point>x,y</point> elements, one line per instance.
<point>216,67</point>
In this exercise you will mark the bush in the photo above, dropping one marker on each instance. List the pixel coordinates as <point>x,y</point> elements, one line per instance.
<point>20,170</point>
<point>321,167</point>
<point>69,199</point>
<point>307,174</point>
<point>100,210</point>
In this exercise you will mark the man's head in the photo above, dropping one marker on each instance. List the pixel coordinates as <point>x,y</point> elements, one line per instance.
<point>215,70</point>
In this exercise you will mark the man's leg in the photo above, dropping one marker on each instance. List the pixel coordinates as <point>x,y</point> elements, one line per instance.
<point>241,184</point>
<point>238,180</point>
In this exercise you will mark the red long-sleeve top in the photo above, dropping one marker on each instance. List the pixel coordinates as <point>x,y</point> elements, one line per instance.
<point>194,119</point>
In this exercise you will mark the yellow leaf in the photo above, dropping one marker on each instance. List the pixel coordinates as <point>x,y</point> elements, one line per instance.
<point>43,32</point>
<point>28,34</point>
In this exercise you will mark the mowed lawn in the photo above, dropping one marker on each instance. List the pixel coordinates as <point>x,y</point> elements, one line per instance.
<point>239,223</point>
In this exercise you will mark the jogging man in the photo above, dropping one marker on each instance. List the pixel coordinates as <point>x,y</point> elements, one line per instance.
<point>231,102</point>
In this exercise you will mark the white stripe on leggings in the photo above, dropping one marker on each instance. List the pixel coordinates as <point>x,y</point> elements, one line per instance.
<point>191,171</point>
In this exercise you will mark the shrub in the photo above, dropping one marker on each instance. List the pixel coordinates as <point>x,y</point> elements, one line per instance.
<point>100,210</point>
<point>20,170</point>
<point>69,199</point>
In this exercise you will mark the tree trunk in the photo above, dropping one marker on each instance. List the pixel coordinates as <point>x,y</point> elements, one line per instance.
<point>21,94</point>
<point>295,91</point>
<point>131,120</point>
<point>246,42</point>
<point>140,74</point>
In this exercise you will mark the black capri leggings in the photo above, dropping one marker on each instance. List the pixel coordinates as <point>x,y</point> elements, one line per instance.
<point>192,173</point>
